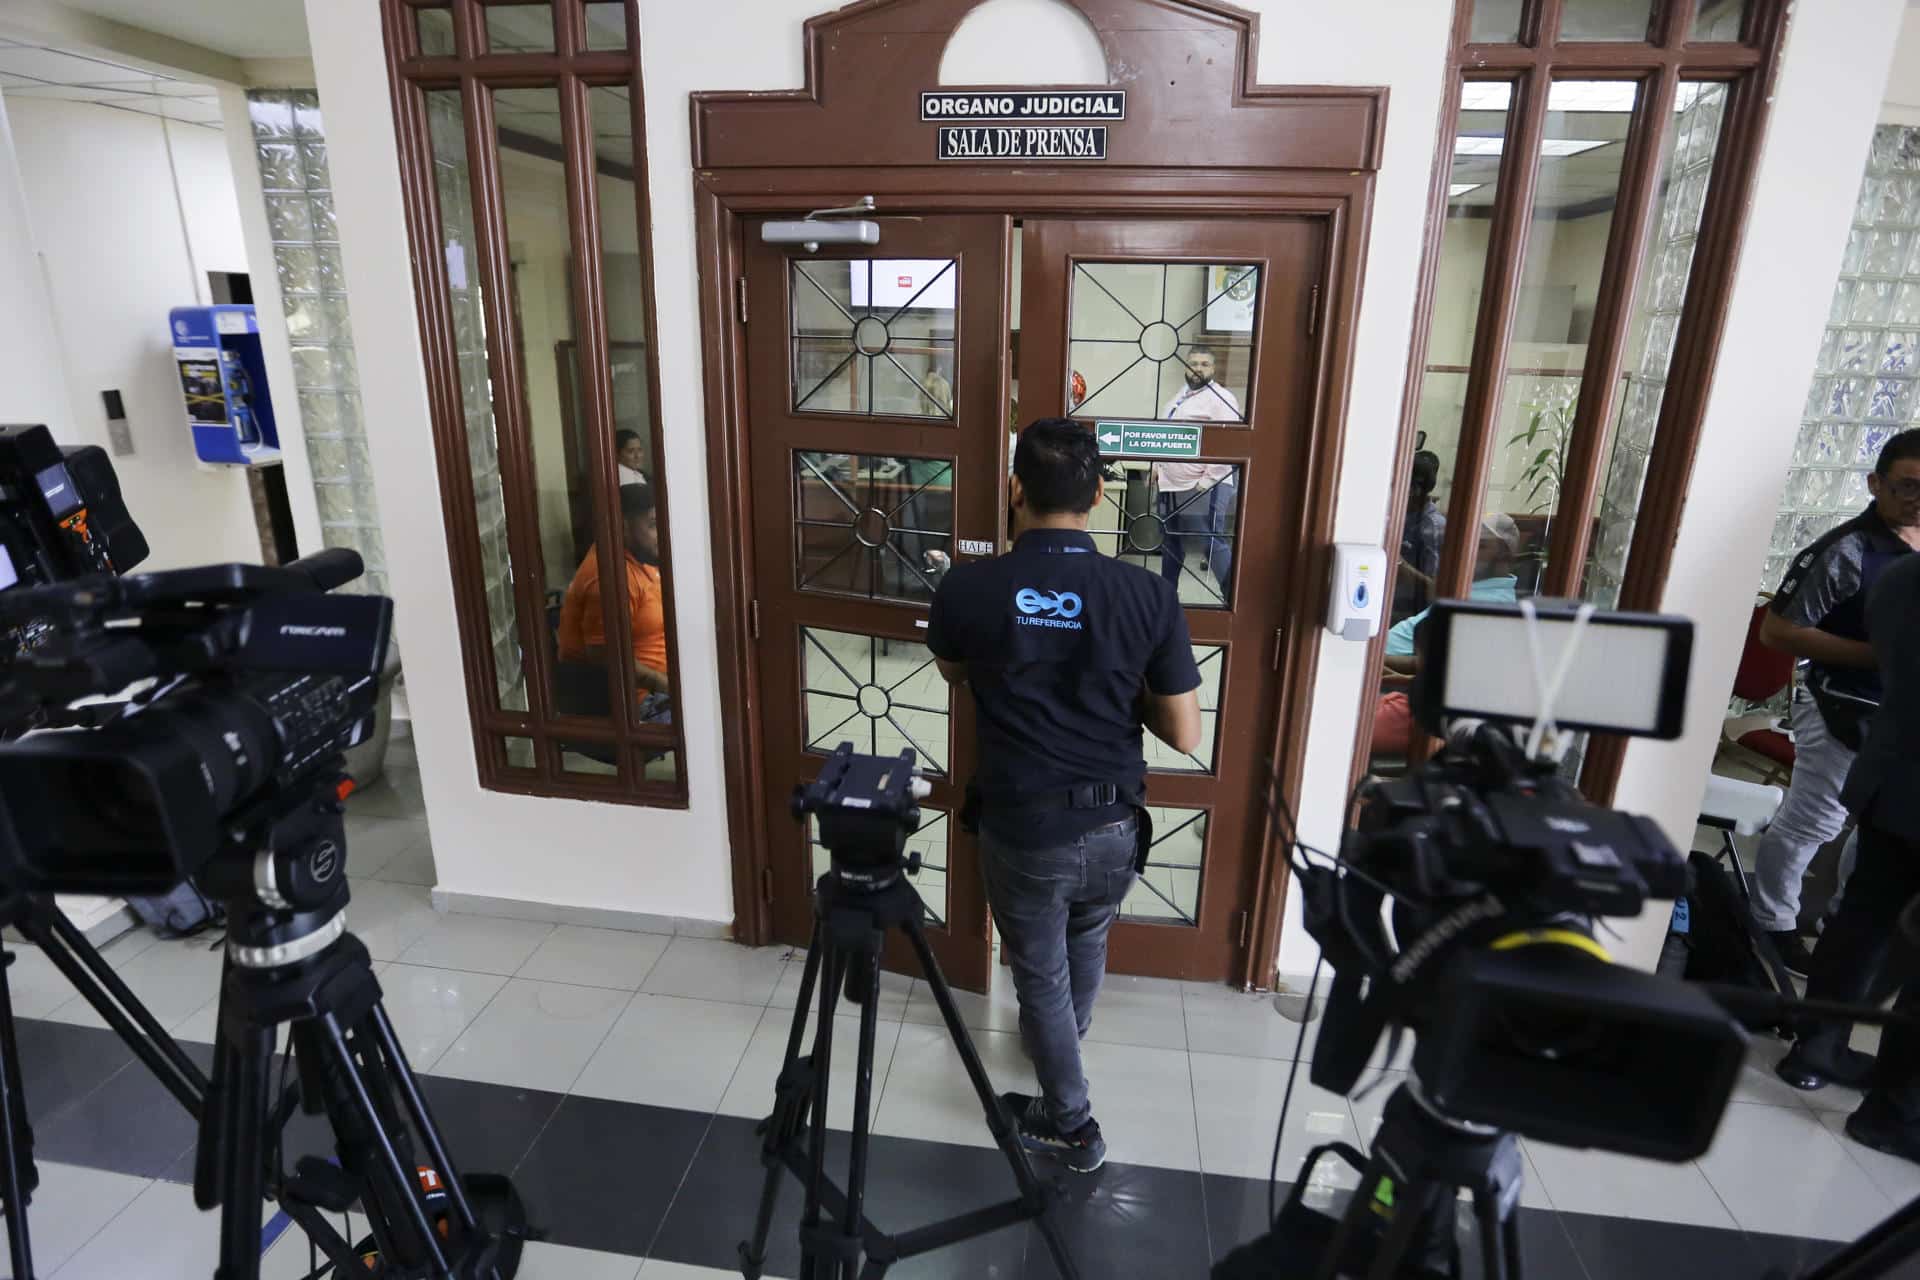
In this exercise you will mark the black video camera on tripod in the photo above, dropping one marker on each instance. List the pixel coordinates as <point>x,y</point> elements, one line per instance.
<point>1497,872</point>
<point>241,687</point>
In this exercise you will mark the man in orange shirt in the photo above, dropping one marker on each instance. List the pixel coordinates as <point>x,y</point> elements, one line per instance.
<point>583,635</point>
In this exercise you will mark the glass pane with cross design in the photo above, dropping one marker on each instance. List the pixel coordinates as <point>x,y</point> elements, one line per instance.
<point>1169,891</point>
<point>882,695</point>
<point>870,524</point>
<point>873,337</point>
<point>1168,341</point>
<point>1177,519</point>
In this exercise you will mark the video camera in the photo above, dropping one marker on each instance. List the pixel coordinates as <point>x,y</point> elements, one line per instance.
<point>1498,870</point>
<point>247,683</point>
<point>61,517</point>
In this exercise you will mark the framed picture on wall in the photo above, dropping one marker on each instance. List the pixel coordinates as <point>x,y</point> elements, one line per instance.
<point>1231,290</point>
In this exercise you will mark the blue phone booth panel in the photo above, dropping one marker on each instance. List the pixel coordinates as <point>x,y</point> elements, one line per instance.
<point>224,381</point>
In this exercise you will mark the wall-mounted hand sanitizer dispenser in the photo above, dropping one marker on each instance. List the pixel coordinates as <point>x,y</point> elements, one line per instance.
<point>1353,598</point>
<point>224,380</point>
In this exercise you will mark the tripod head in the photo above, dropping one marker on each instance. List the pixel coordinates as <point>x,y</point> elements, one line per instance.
<point>865,807</point>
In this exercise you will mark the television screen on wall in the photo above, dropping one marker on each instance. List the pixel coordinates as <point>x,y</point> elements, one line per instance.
<point>927,282</point>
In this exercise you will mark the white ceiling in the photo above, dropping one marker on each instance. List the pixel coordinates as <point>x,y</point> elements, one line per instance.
<point>237,28</point>
<point>29,71</point>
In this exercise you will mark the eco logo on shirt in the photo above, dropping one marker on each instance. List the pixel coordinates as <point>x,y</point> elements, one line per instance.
<point>1060,608</point>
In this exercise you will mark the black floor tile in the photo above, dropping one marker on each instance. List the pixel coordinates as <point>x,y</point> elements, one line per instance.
<point>601,1175</point>
<point>1237,1214</point>
<point>488,1128</point>
<point>61,1064</point>
<point>1784,1257</point>
<point>911,1184</point>
<point>1547,1251</point>
<point>1127,1220</point>
<point>130,1124</point>
<point>1237,1210</point>
<point>1647,1250</point>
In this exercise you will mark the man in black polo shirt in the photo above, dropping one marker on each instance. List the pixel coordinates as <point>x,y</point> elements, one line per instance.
<point>1820,616</point>
<point>1069,654</point>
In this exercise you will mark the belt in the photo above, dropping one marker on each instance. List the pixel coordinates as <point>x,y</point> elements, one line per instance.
<point>1086,795</point>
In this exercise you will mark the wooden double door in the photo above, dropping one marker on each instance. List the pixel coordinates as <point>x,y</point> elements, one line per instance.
<point>884,386</point>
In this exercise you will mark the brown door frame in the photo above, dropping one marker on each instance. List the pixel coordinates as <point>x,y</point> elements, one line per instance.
<point>1288,151</point>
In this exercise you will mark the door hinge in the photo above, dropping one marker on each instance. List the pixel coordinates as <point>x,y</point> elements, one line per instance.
<point>753,618</point>
<point>1279,645</point>
<point>1246,919</point>
<point>740,298</point>
<point>1313,311</point>
<point>766,885</point>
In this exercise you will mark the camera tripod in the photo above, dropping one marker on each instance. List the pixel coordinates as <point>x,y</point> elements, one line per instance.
<point>43,923</point>
<point>1418,1163</point>
<point>290,962</point>
<point>849,930</point>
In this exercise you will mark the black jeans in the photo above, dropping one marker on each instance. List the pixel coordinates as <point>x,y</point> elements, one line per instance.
<point>1861,959</point>
<point>1054,908</point>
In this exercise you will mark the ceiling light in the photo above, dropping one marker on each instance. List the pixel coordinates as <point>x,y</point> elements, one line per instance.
<point>1467,146</point>
<point>1593,95</point>
<point>1486,95</point>
<point>1457,189</point>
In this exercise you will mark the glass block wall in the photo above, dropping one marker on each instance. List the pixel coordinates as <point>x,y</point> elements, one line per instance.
<point>1864,383</point>
<point>1658,301</point>
<point>454,188</point>
<point>292,147</point>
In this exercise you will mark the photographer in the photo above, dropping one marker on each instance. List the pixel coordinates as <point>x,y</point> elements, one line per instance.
<point>1820,617</point>
<point>1851,962</point>
<point>1069,654</point>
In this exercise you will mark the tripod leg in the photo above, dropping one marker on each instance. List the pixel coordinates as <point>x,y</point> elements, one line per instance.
<point>834,975</point>
<point>401,1181</point>
<point>999,1123</point>
<point>782,1120</point>
<point>416,1104</point>
<point>1415,1204</point>
<point>248,1051</point>
<point>16,1139</point>
<point>862,1107</point>
<point>115,1002</point>
<point>1350,1222</point>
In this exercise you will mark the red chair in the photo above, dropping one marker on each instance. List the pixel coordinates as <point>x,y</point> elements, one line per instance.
<point>1763,673</point>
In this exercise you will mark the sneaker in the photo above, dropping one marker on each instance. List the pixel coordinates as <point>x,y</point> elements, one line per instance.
<point>1792,951</point>
<point>1082,1151</point>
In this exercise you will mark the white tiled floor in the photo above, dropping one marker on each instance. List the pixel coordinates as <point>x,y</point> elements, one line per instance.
<point>1186,1076</point>
<point>90,1225</point>
<point>1183,1075</point>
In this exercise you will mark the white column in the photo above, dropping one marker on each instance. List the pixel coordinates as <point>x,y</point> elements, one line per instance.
<point>33,386</point>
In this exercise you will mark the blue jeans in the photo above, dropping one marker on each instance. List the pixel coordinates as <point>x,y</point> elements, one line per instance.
<point>1054,908</point>
<point>1205,519</point>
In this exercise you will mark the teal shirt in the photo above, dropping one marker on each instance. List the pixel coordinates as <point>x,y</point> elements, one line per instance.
<point>1491,590</point>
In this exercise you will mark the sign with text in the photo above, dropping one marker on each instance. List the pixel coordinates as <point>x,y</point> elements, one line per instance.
<point>1148,439</point>
<point>1023,105</point>
<point>1005,142</point>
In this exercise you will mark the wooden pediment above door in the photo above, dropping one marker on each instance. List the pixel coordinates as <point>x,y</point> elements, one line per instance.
<point>1187,69</point>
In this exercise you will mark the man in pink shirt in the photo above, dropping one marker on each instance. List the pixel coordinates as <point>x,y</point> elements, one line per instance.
<point>1197,499</point>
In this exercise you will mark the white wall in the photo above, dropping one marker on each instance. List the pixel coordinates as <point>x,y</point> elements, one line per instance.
<point>676,863</point>
<point>1828,98</point>
<point>1903,81</point>
<point>113,252</point>
<point>591,851</point>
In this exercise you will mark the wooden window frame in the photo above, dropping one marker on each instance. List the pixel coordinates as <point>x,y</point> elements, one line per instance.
<point>1749,67</point>
<point>572,71</point>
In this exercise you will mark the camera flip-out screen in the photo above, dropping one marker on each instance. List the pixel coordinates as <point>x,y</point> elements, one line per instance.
<point>1628,674</point>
